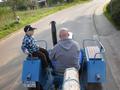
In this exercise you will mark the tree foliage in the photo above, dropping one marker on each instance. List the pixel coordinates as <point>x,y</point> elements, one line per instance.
<point>114,10</point>
<point>22,4</point>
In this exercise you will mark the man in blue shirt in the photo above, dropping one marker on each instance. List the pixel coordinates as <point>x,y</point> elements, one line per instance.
<point>65,53</point>
<point>30,47</point>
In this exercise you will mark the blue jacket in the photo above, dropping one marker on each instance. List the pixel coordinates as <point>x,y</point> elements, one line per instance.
<point>29,44</point>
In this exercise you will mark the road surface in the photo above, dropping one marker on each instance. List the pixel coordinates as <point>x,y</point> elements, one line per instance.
<point>85,21</point>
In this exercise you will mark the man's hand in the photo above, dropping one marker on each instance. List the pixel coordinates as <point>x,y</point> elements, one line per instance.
<point>26,51</point>
<point>38,46</point>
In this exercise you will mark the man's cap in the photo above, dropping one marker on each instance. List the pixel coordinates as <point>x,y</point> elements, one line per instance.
<point>28,28</point>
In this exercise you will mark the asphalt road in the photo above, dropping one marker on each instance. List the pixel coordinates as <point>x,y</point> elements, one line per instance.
<point>85,21</point>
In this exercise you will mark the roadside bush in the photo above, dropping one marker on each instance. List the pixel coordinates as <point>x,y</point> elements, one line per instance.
<point>21,7</point>
<point>51,2</point>
<point>114,10</point>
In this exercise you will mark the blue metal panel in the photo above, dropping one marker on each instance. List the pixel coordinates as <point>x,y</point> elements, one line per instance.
<point>32,69</point>
<point>94,68</point>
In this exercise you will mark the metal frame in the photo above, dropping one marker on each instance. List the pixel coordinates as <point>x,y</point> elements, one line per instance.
<point>45,42</point>
<point>102,49</point>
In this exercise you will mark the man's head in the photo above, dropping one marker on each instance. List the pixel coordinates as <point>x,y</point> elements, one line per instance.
<point>29,30</point>
<point>63,34</point>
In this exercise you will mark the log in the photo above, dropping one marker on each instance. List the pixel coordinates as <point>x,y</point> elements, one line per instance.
<point>71,79</point>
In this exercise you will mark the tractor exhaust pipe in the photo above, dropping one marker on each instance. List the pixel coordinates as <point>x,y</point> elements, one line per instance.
<point>53,30</point>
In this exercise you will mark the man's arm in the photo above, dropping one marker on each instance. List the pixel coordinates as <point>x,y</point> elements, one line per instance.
<point>25,50</point>
<point>25,43</point>
<point>77,45</point>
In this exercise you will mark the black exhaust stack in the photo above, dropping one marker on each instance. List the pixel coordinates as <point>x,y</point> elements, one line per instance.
<point>53,30</point>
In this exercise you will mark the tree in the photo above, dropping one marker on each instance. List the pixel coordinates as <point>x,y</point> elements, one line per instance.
<point>13,4</point>
<point>51,2</point>
<point>17,4</point>
<point>32,4</point>
<point>22,4</point>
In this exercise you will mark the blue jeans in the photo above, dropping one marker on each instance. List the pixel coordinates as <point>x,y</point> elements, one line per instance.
<point>58,81</point>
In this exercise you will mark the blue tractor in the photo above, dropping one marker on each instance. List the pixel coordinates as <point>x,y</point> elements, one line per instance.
<point>92,72</point>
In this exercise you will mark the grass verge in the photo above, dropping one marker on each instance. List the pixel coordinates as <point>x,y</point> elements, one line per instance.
<point>109,17</point>
<point>8,25</point>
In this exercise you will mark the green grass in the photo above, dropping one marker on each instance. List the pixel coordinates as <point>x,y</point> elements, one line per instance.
<point>7,22</point>
<point>109,17</point>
